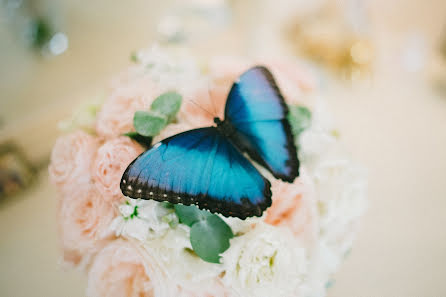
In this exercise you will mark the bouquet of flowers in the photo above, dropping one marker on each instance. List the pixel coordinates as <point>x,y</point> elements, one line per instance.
<point>134,247</point>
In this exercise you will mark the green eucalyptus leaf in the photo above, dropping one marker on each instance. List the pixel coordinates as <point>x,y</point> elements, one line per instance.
<point>167,104</point>
<point>299,118</point>
<point>145,141</point>
<point>210,237</point>
<point>190,214</point>
<point>148,123</point>
<point>167,205</point>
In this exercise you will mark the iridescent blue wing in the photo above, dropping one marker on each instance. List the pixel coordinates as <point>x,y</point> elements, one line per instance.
<point>258,112</point>
<point>199,167</point>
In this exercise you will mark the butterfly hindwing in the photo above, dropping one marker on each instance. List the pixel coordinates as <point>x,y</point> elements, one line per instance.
<point>199,167</point>
<point>258,112</point>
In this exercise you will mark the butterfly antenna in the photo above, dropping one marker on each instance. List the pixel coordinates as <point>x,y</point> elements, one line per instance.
<point>202,108</point>
<point>213,103</point>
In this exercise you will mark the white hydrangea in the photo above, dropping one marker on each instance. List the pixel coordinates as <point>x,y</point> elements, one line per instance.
<point>265,261</point>
<point>143,219</point>
<point>172,71</point>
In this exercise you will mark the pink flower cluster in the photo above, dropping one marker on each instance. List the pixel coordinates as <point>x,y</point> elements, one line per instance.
<point>87,170</point>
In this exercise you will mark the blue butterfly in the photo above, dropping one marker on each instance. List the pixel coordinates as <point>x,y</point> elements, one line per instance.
<point>206,166</point>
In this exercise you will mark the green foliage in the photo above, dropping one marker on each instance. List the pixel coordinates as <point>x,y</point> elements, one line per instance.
<point>210,237</point>
<point>191,214</point>
<point>299,118</point>
<point>134,57</point>
<point>40,32</point>
<point>209,234</point>
<point>167,104</point>
<point>145,141</point>
<point>148,123</point>
<point>167,205</point>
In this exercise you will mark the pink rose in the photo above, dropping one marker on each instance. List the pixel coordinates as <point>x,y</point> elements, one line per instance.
<point>200,109</point>
<point>84,221</point>
<point>111,160</point>
<point>226,69</point>
<point>170,130</point>
<point>71,159</point>
<point>294,206</point>
<point>291,77</point>
<point>123,269</point>
<point>116,115</point>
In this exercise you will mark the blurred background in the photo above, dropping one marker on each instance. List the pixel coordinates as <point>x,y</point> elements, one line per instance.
<point>381,65</point>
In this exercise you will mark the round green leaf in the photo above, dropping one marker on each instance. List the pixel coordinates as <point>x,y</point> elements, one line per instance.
<point>210,237</point>
<point>145,141</point>
<point>168,104</point>
<point>189,214</point>
<point>148,123</point>
<point>299,118</point>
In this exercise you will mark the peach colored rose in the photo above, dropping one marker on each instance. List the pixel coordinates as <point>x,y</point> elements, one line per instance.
<point>224,70</point>
<point>123,269</point>
<point>200,109</point>
<point>170,130</point>
<point>127,77</point>
<point>71,160</point>
<point>84,221</point>
<point>116,115</point>
<point>294,206</point>
<point>111,160</point>
<point>290,76</point>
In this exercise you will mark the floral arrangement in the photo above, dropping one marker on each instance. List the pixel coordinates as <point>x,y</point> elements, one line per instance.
<point>134,247</point>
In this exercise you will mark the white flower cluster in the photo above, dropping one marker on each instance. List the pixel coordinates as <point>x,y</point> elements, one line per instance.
<point>143,219</point>
<point>178,71</point>
<point>340,187</point>
<point>266,261</point>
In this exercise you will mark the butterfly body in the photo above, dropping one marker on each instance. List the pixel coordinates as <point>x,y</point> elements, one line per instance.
<point>206,166</point>
<point>224,127</point>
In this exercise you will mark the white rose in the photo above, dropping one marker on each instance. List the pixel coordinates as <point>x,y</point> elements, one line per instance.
<point>174,251</point>
<point>340,187</point>
<point>266,261</point>
<point>239,226</point>
<point>324,263</point>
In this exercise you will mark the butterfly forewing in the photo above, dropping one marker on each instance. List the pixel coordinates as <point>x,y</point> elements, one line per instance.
<point>257,111</point>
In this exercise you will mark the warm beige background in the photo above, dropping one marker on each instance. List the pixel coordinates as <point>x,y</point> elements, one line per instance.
<point>394,123</point>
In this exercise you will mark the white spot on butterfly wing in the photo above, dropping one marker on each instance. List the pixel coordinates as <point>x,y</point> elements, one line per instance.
<point>157,145</point>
